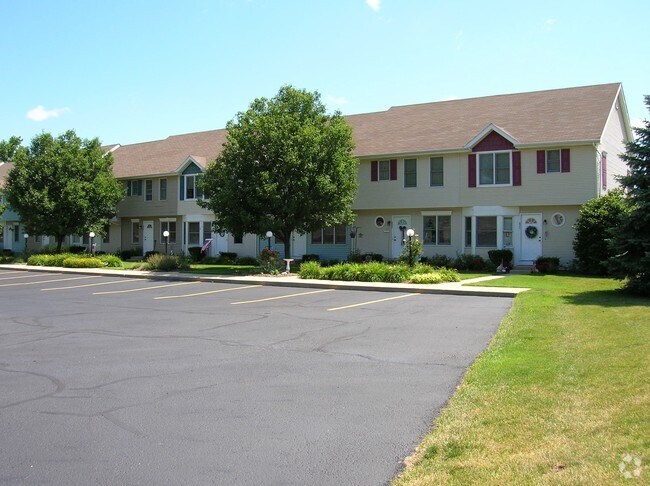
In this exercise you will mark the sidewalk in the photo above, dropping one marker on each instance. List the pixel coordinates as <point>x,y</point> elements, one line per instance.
<point>453,288</point>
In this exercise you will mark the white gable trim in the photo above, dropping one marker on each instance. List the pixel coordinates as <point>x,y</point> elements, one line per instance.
<point>486,131</point>
<point>188,161</point>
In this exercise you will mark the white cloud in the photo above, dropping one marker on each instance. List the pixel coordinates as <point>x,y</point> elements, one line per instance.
<point>40,113</point>
<point>374,4</point>
<point>548,25</point>
<point>459,40</point>
<point>337,100</point>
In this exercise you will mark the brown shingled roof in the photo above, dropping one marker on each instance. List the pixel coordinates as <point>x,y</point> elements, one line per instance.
<point>541,117</point>
<point>4,170</point>
<point>536,118</point>
<point>165,156</point>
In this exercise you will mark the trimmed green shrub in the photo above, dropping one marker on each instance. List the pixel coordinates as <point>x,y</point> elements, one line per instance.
<point>196,255</point>
<point>128,254</point>
<point>111,260</point>
<point>547,264</point>
<point>77,249</point>
<point>50,260</point>
<point>166,263</point>
<point>247,260</point>
<point>435,277</point>
<point>372,257</point>
<point>8,253</point>
<point>149,253</point>
<point>83,262</point>
<point>227,257</point>
<point>310,270</point>
<point>438,261</point>
<point>311,257</point>
<point>466,261</point>
<point>498,256</point>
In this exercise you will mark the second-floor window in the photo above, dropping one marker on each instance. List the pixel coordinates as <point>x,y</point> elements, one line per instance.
<point>134,187</point>
<point>410,172</point>
<point>553,161</point>
<point>192,189</point>
<point>162,189</point>
<point>384,170</point>
<point>148,190</point>
<point>436,172</point>
<point>494,169</point>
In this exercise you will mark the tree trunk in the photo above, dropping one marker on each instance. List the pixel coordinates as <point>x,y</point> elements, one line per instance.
<point>287,242</point>
<point>59,242</point>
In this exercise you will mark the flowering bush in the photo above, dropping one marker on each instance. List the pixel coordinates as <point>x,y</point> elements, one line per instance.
<point>269,261</point>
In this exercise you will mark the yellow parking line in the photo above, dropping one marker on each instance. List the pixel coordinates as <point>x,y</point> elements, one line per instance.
<point>282,297</point>
<point>370,302</point>
<point>144,288</point>
<point>206,293</point>
<point>87,285</point>
<point>47,281</point>
<point>31,275</point>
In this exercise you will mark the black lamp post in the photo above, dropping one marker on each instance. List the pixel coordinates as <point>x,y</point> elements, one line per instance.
<point>92,244</point>
<point>268,236</point>
<point>166,236</point>
<point>410,233</point>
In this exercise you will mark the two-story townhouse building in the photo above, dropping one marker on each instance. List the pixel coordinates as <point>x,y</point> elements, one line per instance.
<point>507,171</point>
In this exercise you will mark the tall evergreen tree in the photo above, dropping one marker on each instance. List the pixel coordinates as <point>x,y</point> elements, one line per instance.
<point>632,239</point>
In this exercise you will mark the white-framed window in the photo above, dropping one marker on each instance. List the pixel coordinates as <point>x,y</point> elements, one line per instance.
<point>468,231</point>
<point>553,159</point>
<point>148,190</point>
<point>333,235</point>
<point>558,220</point>
<point>384,170</point>
<point>238,239</point>
<point>380,221</point>
<point>162,189</point>
<point>507,232</point>
<point>106,238</point>
<point>437,230</point>
<point>436,172</point>
<point>207,230</point>
<point>495,168</point>
<point>410,172</point>
<point>194,233</point>
<point>192,189</point>
<point>486,231</point>
<point>168,225</point>
<point>135,232</point>
<point>134,187</point>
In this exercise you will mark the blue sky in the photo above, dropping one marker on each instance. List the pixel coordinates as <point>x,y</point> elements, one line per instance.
<point>140,70</point>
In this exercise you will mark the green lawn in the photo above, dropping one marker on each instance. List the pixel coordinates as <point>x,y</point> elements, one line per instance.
<point>559,397</point>
<point>200,269</point>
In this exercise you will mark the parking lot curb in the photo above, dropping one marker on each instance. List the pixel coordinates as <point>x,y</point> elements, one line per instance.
<point>451,288</point>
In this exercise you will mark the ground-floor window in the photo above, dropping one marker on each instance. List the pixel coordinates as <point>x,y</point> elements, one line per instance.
<point>207,230</point>
<point>333,235</point>
<point>437,230</point>
<point>507,232</point>
<point>135,232</point>
<point>193,233</point>
<point>171,227</point>
<point>486,231</point>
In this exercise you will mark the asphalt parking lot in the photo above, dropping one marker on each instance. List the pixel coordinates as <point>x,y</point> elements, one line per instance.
<point>107,380</point>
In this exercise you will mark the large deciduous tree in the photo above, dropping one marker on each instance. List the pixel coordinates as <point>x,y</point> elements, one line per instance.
<point>9,148</point>
<point>63,186</point>
<point>286,166</point>
<point>632,237</point>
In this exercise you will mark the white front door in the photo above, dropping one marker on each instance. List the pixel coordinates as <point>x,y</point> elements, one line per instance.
<point>9,236</point>
<point>147,236</point>
<point>399,226</point>
<point>219,243</point>
<point>531,237</point>
<point>298,245</point>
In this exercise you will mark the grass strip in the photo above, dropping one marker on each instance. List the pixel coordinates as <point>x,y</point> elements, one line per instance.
<point>560,396</point>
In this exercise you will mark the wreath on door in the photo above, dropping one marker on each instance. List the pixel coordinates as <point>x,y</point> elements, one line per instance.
<point>531,232</point>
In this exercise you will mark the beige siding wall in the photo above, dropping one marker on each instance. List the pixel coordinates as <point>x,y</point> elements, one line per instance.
<point>613,142</point>
<point>135,206</point>
<point>575,187</point>
<point>248,247</point>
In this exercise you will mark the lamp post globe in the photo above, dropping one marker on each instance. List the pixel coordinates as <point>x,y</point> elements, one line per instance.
<point>92,244</point>
<point>166,236</point>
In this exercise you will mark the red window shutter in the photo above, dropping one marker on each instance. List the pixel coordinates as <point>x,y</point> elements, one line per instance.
<point>603,167</point>
<point>471,170</point>
<point>393,169</point>
<point>374,170</point>
<point>565,158</point>
<point>541,161</point>
<point>516,168</point>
